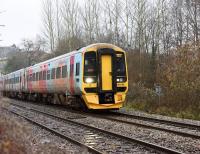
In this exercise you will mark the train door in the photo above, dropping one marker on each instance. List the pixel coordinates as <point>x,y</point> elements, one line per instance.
<point>71,78</point>
<point>77,79</point>
<point>13,83</point>
<point>106,67</point>
<point>107,79</point>
<point>25,80</point>
<point>20,81</point>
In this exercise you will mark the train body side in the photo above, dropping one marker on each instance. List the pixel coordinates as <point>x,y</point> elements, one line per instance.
<point>56,76</point>
<point>97,74</point>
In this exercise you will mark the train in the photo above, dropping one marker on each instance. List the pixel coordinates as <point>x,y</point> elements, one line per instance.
<point>92,77</point>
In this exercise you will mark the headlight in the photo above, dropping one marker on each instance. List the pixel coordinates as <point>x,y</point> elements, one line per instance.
<point>89,80</point>
<point>121,79</point>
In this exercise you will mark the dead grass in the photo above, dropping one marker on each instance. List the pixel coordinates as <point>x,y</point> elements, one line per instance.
<point>12,137</point>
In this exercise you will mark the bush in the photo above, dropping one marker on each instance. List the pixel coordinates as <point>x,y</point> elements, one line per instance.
<point>181,80</point>
<point>140,97</point>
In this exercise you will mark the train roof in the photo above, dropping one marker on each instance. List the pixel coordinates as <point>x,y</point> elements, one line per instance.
<point>15,72</point>
<point>55,58</point>
<point>81,50</point>
<point>103,45</point>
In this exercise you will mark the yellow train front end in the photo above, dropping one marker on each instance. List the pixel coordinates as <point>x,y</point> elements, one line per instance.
<point>105,78</point>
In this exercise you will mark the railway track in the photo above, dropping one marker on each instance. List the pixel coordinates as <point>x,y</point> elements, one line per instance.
<point>164,121</point>
<point>174,127</point>
<point>96,135</point>
<point>177,128</point>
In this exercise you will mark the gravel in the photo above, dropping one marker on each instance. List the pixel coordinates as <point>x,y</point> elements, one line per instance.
<point>178,128</point>
<point>140,113</point>
<point>32,139</point>
<point>169,140</point>
<point>95,139</point>
<point>176,142</point>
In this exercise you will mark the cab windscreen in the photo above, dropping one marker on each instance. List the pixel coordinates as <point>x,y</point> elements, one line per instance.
<point>90,67</point>
<point>121,67</point>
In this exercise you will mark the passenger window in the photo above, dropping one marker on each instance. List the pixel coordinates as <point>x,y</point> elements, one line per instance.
<point>33,76</point>
<point>44,75</point>
<point>48,75</point>
<point>30,77</point>
<point>58,72</point>
<point>77,69</point>
<point>53,73</point>
<point>37,76</point>
<point>40,76</point>
<point>64,71</point>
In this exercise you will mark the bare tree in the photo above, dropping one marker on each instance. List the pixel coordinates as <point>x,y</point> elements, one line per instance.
<point>108,32</point>
<point>28,47</point>
<point>91,23</point>
<point>49,24</point>
<point>71,21</point>
<point>194,17</point>
<point>58,19</point>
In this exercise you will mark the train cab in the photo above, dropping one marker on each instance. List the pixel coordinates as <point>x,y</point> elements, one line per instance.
<point>105,79</point>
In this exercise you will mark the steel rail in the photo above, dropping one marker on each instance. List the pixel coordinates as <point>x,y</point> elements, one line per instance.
<point>185,134</point>
<point>181,133</point>
<point>134,140</point>
<point>164,121</point>
<point>57,133</point>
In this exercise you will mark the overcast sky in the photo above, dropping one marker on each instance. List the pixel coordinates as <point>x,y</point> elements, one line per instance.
<point>22,19</point>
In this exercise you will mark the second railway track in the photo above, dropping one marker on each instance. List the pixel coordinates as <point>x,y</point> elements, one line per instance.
<point>162,125</point>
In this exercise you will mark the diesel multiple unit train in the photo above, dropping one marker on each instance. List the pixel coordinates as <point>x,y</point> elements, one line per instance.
<point>94,77</point>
